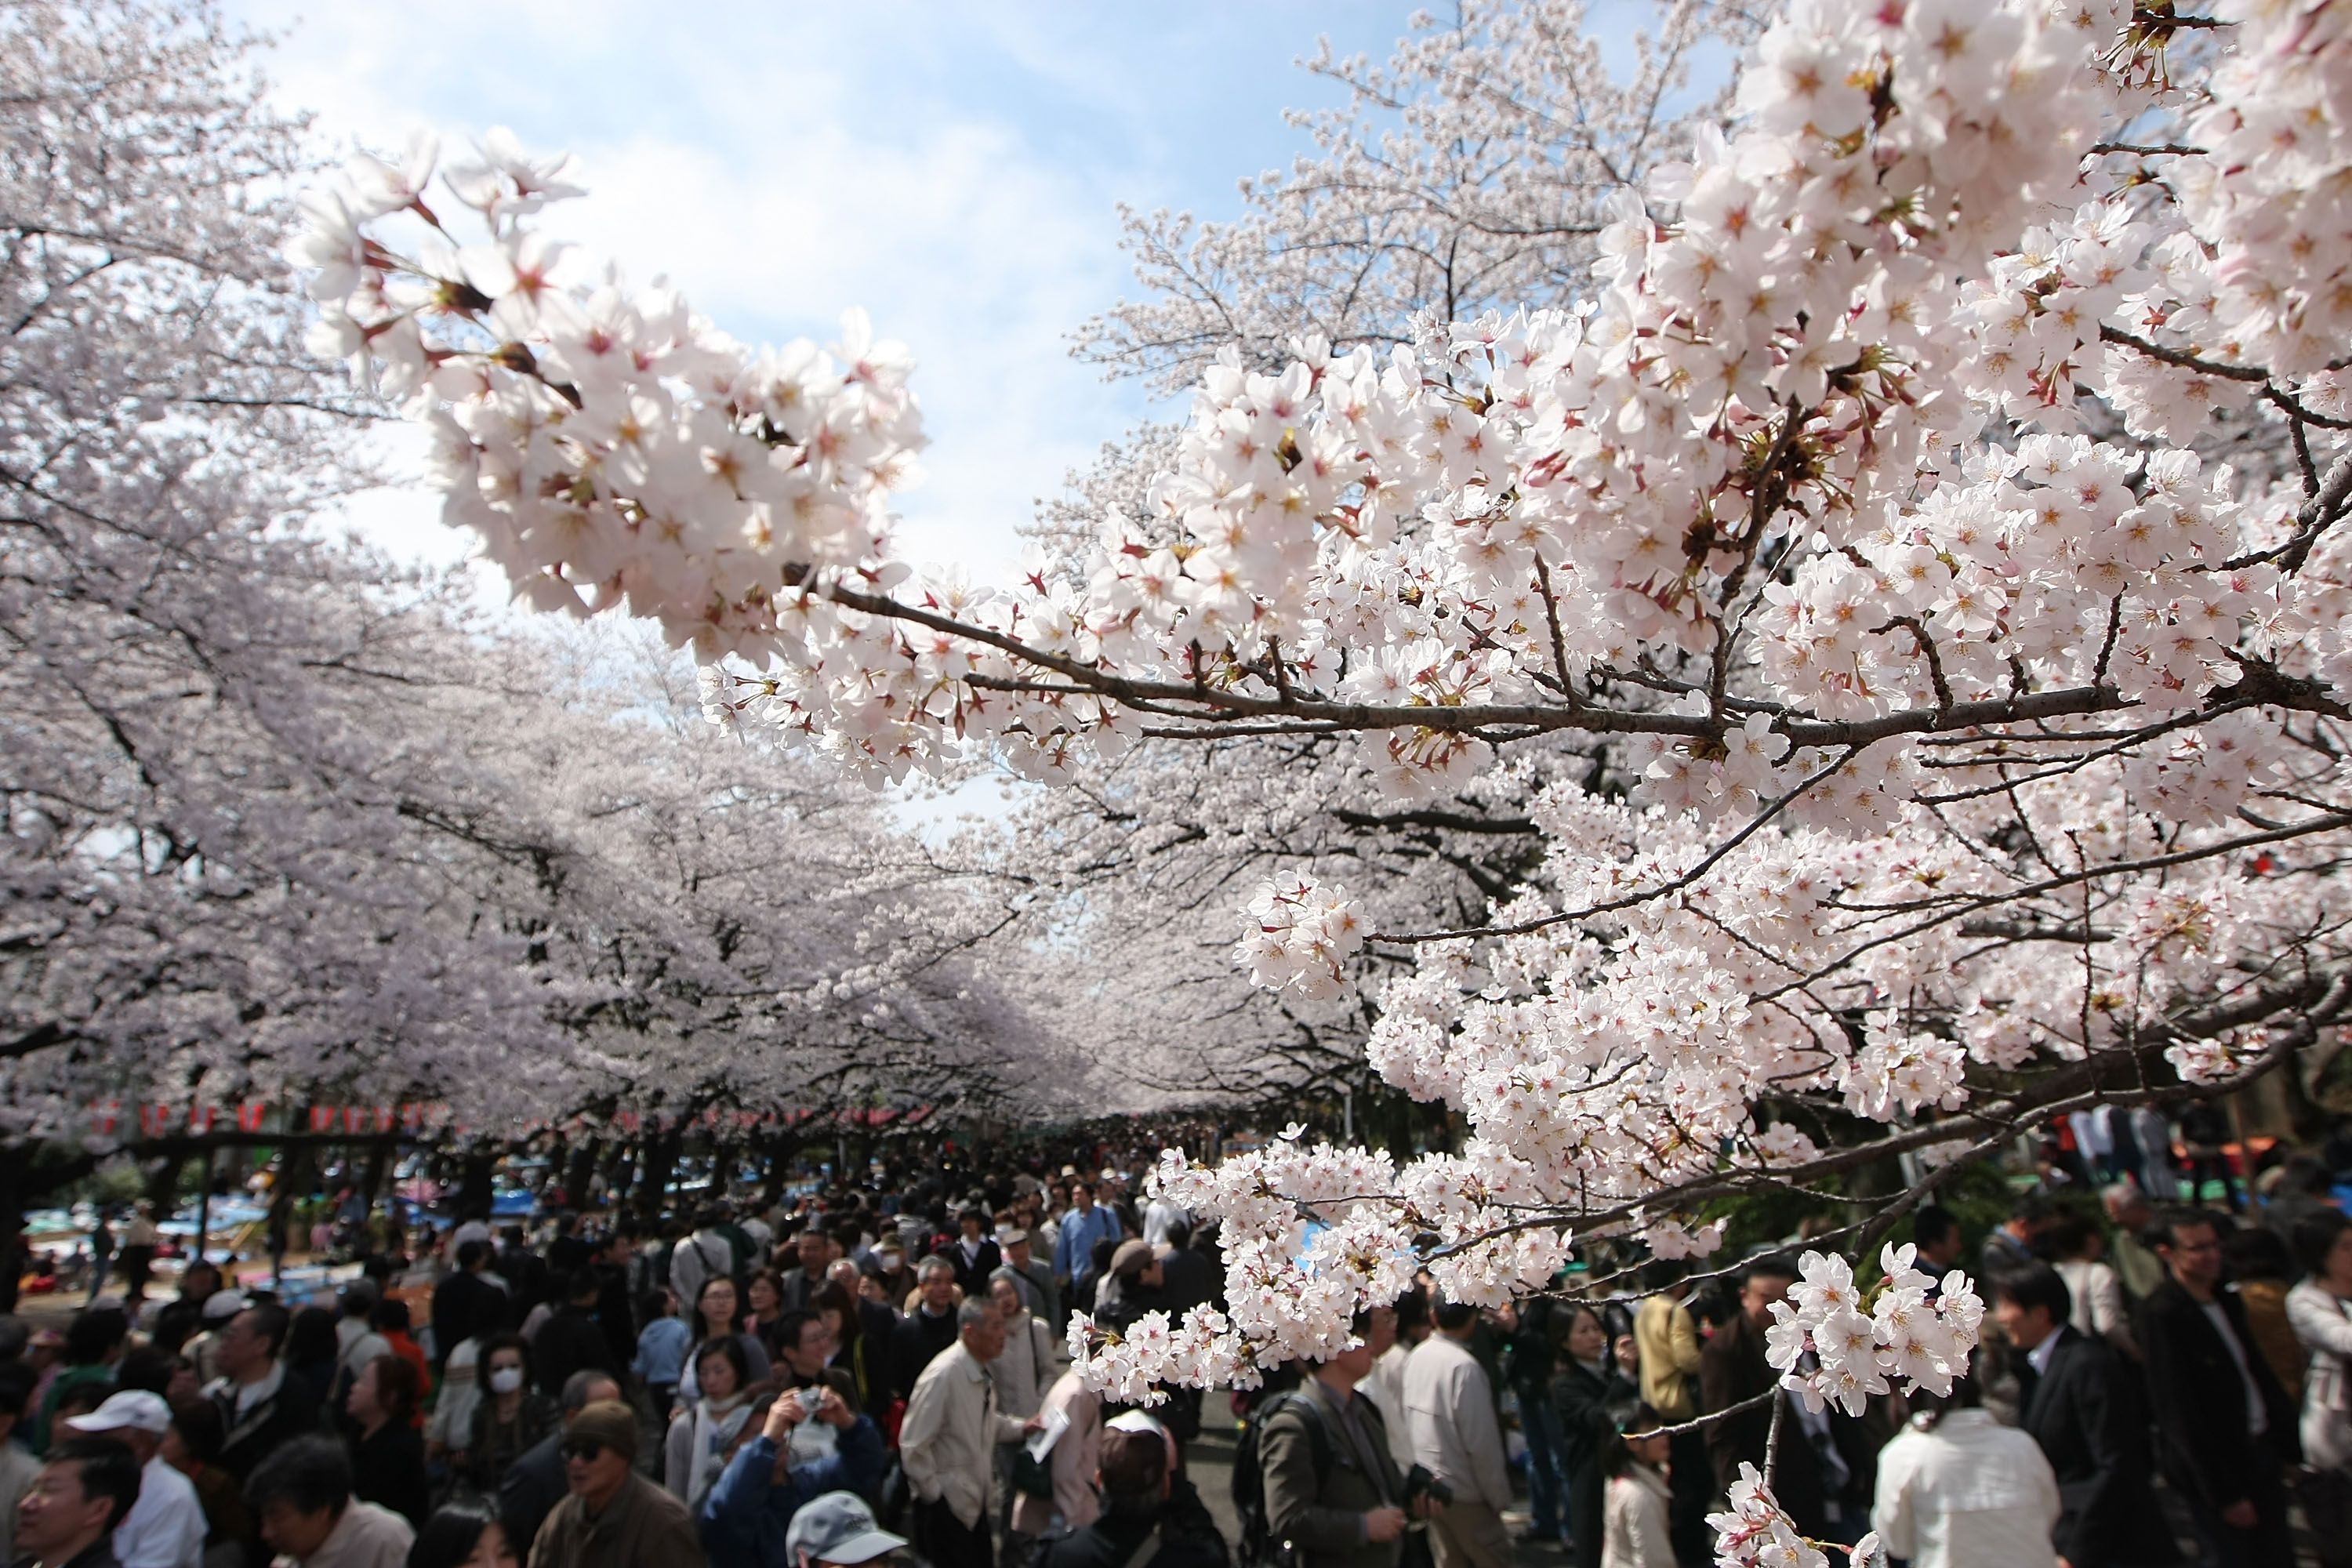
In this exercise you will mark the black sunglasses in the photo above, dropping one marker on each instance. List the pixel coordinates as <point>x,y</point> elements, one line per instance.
<point>587,1449</point>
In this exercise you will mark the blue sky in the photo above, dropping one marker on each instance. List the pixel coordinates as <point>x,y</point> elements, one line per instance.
<point>954,169</point>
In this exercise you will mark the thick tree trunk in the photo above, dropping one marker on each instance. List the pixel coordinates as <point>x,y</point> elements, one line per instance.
<point>163,1183</point>
<point>576,1172</point>
<point>661,1164</point>
<point>620,1156</point>
<point>474,1189</point>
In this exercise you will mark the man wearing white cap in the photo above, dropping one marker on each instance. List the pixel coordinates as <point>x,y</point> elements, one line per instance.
<point>836,1529</point>
<point>165,1528</point>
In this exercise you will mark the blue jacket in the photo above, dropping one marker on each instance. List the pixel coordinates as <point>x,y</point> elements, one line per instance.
<point>746,1515</point>
<point>1076,1248</point>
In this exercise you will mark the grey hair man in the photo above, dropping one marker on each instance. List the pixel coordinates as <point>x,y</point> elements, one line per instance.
<point>949,1440</point>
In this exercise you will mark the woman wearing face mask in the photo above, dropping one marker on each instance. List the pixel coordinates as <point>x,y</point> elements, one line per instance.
<point>696,1449</point>
<point>511,1416</point>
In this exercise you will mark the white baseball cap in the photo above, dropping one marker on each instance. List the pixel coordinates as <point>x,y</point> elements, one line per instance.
<point>134,1408</point>
<point>222,1305</point>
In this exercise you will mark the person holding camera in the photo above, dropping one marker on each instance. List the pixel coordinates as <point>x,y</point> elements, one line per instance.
<point>749,1513</point>
<point>1147,1520</point>
<point>1458,1437</point>
<point>1332,1491</point>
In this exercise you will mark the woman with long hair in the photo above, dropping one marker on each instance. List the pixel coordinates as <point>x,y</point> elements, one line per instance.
<point>700,1438</point>
<point>2320,1309</point>
<point>864,1357</point>
<point>766,1293</point>
<point>1587,1385</point>
<point>465,1534</point>
<point>719,1314</point>
<point>387,1450</point>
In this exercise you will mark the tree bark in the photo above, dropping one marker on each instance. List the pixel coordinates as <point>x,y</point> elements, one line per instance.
<point>576,1172</point>
<point>661,1162</point>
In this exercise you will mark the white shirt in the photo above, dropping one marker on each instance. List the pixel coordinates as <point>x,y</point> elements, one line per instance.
<point>165,1528</point>
<point>1454,1432</point>
<point>1161,1216</point>
<point>1970,1494</point>
<point>1385,1389</point>
<point>472,1230</point>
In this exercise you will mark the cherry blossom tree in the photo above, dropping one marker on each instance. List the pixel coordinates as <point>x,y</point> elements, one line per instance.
<point>1984,728</point>
<point>1472,170</point>
<point>197,777</point>
<point>287,824</point>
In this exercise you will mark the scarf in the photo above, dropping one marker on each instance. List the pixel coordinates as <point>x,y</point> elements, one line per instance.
<point>715,1424</point>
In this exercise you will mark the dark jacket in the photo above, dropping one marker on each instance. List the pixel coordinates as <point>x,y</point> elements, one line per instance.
<point>1732,1368</point>
<point>388,1469</point>
<point>616,1314</point>
<point>974,1277</point>
<point>870,1359</point>
<point>1187,1279</point>
<point>2199,1402</point>
<point>2086,1414</point>
<point>99,1556</point>
<point>267,1427</point>
<point>1318,1485</point>
<point>569,1341</point>
<point>921,1337</point>
<point>744,1518</point>
<point>796,1288</point>
<point>524,1271</point>
<point>531,1487</point>
<point>465,1305</point>
<point>491,1445</point>
<point>1188,1538</point>
<point>642,1527</point>
<point>1587,1404</point>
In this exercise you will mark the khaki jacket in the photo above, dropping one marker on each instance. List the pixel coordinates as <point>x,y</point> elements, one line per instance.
<point>947,1442</point>
<point>1323,1517</point>
<point>1668,1341</point>
<point>642,1527</point>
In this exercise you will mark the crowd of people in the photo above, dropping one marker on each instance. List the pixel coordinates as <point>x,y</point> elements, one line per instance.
<point>866,1371</point>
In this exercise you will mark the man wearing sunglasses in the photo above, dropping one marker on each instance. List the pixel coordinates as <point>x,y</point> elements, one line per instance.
<point>615,1518</point>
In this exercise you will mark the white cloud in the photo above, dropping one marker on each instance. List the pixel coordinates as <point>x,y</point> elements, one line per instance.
<point>953,173</point>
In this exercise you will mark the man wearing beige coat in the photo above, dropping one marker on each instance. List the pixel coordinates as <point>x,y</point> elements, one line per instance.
<point>1457,1438</point>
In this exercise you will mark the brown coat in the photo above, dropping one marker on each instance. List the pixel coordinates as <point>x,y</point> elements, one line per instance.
<point>1322,1513</point>
<point>642,1527</point>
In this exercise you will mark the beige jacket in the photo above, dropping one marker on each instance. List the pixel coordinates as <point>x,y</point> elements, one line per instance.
<point>1634,1525</point>
<point>1668,1341</point>
<point>951,1430</point>
<point>366,1537</point>
<point>1455,1433</point>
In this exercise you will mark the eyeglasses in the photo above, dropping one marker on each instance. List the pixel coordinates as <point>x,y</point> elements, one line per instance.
<point>586,1450</point>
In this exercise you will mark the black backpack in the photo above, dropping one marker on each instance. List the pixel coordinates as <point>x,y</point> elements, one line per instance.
<point>1259,1549</point>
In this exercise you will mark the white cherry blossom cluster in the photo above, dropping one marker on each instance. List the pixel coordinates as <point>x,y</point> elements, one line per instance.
<point>1298,936</point>
<point>1755,1532</point>
<point>605,443</point>
<point>1834,1343</point>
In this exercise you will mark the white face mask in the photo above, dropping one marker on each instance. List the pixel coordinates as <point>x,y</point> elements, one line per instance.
<point>505,1379</point>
